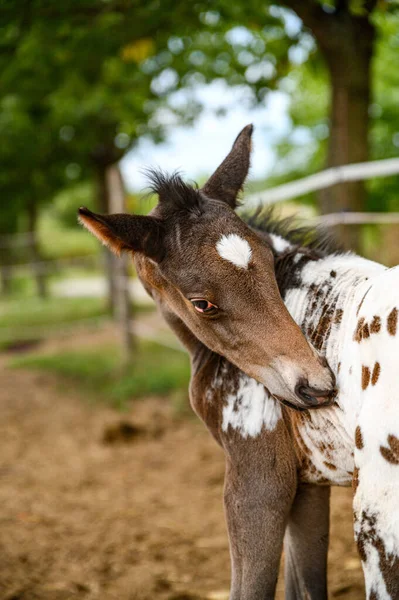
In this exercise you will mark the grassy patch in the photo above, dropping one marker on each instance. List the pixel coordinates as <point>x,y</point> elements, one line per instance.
<point>155,370</point>
<point>32,318</point>
<point>58,241</point>
<point>23,318</point>
<point>22,312</point>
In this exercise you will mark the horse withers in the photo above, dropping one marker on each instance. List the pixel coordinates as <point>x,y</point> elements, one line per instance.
<point>261,309</point>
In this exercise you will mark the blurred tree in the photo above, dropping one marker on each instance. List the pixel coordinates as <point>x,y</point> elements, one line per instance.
<point>304,149</point>
<point>92,76</point>
<point>81,81</point>
<point>345,36</point>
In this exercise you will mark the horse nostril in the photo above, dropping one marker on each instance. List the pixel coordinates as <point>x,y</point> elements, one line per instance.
<point>303,392</point>
<point>314,397</point>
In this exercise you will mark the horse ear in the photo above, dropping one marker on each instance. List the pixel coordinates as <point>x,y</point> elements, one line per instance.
<point>228,179</point>
<point>124,232</point>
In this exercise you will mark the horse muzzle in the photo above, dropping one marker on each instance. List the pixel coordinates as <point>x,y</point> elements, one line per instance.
<point>313,397</point>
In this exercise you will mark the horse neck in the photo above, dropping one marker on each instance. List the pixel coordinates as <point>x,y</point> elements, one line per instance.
<point>322,294</point>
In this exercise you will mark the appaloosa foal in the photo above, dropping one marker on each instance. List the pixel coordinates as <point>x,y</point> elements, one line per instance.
<point>220,284</point>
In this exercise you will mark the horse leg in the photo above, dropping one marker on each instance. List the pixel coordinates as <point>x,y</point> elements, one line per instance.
<point>257,503</point>
<point>306,544</point>
<point>374,380</point>
<point>376,506</point>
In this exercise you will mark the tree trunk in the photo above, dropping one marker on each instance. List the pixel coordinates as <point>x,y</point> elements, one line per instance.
<point>108,258</point>
<point>117,204</point>
<point>346,41</point>
<point>5,279</point>
<point>6,260</point>
<point>38,269</point>
<point>349,62</point>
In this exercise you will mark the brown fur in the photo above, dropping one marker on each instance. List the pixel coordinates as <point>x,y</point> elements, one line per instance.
<point>358,335</point>
<point>263,493</point>
<point>358,438</point>
<point>355,479</point>
<point>227,181</point>
<point>392,321</point>
<point>103,234</point>
<point>376,373</point>
<point>338,316</point>
<point>391,454</point>
<point>365,377</point>
<point>375,326</point>
<point>388,563</point>
<point>330,466</point>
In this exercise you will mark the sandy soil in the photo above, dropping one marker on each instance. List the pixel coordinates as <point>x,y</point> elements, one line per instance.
<point>96,504</point>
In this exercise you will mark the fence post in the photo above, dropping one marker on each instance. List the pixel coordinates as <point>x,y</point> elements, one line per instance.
<point>116,203</point>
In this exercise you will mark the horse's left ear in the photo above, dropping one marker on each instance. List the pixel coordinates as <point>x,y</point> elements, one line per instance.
<point>124,232</point>
<point>228,179</point>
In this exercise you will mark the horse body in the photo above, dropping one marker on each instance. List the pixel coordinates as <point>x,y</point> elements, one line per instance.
<point>221,286</point>
<point>325,305</point>
<point>332,299</point>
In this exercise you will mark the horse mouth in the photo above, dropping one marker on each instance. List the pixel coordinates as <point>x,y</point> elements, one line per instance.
<point>296,407</point>
<point>302,408</point>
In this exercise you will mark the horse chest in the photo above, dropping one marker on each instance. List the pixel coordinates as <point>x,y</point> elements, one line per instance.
<point>324,447</point>
<point>231,401</point>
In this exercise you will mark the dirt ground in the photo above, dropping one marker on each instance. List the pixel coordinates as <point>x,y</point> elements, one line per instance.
<point>97,504</point>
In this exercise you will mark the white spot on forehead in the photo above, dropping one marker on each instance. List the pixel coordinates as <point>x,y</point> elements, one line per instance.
<point>235,249</point>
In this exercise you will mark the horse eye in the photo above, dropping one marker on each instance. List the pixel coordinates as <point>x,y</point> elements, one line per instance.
<point>203,306</point>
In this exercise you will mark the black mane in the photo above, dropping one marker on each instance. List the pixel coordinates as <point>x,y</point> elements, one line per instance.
<point>174,193</point>
<point>315,239</point>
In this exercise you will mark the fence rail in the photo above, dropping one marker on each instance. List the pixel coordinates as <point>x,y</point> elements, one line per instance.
<point>357,218</point>
<point>322,180</point>
<point>326,179</point>
<point>49,265</point>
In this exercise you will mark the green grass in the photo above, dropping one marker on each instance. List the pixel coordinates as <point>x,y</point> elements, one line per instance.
<point>156,370</point>
<point>58,241</point>
<point>20,317</point>
<point>23,318</point>
<point>22,312</point>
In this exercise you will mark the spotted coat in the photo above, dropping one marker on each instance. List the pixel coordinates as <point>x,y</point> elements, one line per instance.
<point>348,309</point>
<point>198,260</point>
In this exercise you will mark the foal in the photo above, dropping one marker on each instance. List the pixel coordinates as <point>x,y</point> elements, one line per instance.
<point>238,297</point>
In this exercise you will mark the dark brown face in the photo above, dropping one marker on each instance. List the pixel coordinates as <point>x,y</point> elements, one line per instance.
<point>218,277</point>
<point>210,269</point>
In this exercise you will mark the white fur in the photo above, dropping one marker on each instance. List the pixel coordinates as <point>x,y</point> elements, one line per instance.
<point>361,289</point>
<point>377,492</point>
<point>356,288</point>
<point>235,249</point>
<point>373,578</point>
<point>250,409</point>
<point>279,243</point>
<point>328,434</point>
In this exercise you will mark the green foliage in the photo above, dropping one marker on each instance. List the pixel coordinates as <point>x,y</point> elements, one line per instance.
<point>155,370</point>
<point>20,317</point>
<point>303,150</point>
<point>82,81</point>
<point>383,193</point>
<point>63,207</point>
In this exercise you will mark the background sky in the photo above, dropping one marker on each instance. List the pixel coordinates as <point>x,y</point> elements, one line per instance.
<point>197,151</point>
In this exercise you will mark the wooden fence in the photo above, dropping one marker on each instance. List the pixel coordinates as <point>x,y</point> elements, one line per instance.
<point>322,180</point>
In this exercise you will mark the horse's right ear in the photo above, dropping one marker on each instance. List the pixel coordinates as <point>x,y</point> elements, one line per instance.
<point>123,232</point>
<point>228,179</point>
